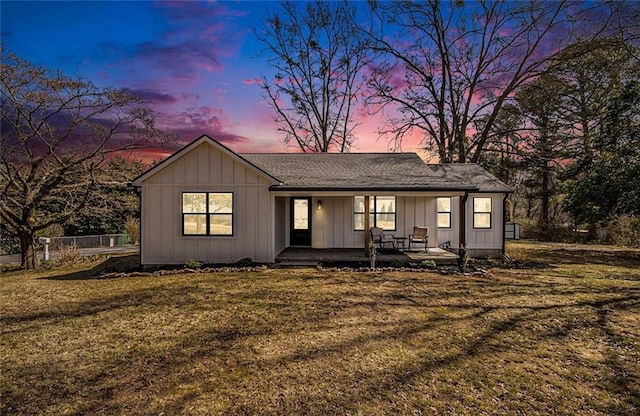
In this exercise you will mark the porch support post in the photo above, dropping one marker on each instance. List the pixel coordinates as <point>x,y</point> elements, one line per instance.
<point>462,249</point>
<point>462,240</point>
<point>504,223</point>
<point>367,226</point>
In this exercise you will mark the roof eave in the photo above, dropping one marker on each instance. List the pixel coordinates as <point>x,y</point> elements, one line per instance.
<point>373,188</point>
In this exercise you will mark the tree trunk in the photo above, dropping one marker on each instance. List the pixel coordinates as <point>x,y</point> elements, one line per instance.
<point>545,193</point>
<point>509,208</point>
<point>28,249</point>
<point>545,186</point>
<point>592,232</point>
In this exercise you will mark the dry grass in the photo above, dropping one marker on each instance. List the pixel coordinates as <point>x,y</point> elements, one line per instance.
<point>561,338</point>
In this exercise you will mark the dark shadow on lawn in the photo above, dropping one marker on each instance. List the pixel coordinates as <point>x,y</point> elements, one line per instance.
<point>626,258</point>
<point>224,350</point>
<point>178,297</point>
<point>513,264</point>
<point>116,264</point>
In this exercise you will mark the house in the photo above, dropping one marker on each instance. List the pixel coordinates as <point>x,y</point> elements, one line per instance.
<point>209,203</point>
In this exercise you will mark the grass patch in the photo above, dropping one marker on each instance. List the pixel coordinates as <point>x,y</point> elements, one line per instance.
<point>562,338</point>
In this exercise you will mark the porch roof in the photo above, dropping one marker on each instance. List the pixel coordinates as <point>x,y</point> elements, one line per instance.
<point>376,172</point>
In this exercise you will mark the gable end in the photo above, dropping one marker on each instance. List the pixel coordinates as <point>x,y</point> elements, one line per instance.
<point>137,182</point>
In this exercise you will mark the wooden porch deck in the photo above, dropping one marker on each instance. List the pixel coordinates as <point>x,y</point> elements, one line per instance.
<point>293,256</point>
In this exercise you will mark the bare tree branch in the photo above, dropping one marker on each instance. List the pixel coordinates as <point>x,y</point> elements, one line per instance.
<point>57,134</point>
<point>317,54</point>
<point>459,63</point>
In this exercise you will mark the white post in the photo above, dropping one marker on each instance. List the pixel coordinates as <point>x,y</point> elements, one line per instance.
<point>45,242</point>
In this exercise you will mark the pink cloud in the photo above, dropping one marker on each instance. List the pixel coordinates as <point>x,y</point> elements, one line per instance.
<point>196,121</point>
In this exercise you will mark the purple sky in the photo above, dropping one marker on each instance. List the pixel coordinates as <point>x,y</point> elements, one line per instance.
<point>195,62</point>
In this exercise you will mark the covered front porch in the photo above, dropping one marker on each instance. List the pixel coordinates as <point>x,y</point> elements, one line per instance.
<point>337,220</point>
<point>305,256</point>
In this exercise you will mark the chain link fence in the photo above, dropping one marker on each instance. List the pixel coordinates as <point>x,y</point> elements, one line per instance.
<point>11,245</point>
<point>92,241</point>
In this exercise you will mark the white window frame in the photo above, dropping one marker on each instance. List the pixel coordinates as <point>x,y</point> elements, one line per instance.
<point>448,213</point>
<point>208,215</point>
<point>374,213</point>
<point>483,213</point>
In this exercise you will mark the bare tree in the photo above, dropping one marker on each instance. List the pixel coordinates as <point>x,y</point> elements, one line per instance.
<point>458,64</point>
<point>57,133</point>
<point>317,53</point>
<point>606,19</point>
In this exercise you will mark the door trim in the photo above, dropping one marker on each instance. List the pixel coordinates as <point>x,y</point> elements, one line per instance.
<point>294,235</point>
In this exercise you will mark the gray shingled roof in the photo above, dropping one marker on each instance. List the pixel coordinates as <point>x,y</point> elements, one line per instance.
<point>472,174</point>
<point>371,171</point>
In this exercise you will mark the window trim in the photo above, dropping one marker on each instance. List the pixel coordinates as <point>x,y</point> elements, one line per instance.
<point>374,213</point>
<point>449,213</point>
<point>208,214</point>
<point>490,212</point>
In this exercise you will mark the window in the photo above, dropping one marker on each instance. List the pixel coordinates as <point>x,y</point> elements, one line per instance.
<point>207,213</point>
<point>382,212</point>
<point>444,212</point>
<point>481,212</point>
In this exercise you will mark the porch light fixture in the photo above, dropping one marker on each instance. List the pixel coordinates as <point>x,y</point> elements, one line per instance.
<point>319,205</point>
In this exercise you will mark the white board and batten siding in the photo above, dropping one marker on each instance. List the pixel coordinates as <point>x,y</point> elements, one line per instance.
<point>451,234</point>
<point>281,223</point>
<point>486,242</point>
<point>419,211</point>
<point>206,169</point>
<point>333,226</point>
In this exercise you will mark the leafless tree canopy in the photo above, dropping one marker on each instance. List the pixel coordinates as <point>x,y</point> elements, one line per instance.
<point>57,132</point>
<point>317,54</point>
<point>458,63</point>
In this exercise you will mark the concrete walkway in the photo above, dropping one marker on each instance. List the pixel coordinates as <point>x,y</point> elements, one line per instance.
<point>15,258</point>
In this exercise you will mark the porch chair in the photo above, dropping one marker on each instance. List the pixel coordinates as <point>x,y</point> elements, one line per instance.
<point>379,237</point>
<point>420,235</point>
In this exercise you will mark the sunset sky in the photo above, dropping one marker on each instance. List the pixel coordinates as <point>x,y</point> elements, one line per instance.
<point>195,62</point>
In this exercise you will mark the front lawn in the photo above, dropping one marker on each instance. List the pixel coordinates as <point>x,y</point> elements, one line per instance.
<point>557,334</point>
